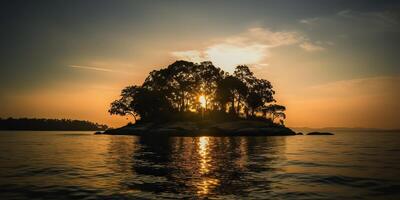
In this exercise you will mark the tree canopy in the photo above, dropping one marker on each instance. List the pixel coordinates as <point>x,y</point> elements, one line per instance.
<point>176,89</point>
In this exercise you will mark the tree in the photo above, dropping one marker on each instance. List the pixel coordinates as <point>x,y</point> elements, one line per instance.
<point>175,91</point>
<point>123,106</point>
<point>262,94</point>
<point>177,82</point>
<point>254,101</point>
<point>231,89</point>
<point>150,104</point>
<point>243,73</point>
<point>260,91</point>
<point>140,102</point>
<point>274,111</point>
<point>209,76</point>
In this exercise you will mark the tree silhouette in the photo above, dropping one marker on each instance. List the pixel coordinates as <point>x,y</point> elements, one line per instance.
<point>175,90</point>
<point>150,104</point>
<point>274,112</point>
<point>123,106</point>
<point>231,90</point>
<point>260,91</point>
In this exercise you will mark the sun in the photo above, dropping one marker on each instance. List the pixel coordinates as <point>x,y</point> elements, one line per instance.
<point>202,100</point>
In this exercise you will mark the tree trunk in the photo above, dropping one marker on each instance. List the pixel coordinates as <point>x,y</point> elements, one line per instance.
<point>134,117</point>
<point>237,106</point>
<point>233,105</point>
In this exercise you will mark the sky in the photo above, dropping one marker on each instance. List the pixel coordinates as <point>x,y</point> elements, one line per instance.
<point>332,63</point>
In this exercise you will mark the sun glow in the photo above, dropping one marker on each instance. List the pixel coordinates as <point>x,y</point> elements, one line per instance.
<point>203,101</point>
<point>228,56</point>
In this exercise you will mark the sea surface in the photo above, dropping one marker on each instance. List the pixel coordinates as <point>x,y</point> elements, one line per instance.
<point>80,165</point>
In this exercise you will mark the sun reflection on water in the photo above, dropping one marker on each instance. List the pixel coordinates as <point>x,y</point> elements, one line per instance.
<point>207,183</point>
<point>204,157</point>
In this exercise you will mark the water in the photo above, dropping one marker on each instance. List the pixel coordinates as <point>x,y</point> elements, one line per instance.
<point>80,165</point>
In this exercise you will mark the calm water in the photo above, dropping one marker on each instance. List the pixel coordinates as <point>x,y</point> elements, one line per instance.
<point>80,165</point>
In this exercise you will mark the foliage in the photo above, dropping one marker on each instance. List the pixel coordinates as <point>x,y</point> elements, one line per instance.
<point>173,93</point>
<point>275,112</point>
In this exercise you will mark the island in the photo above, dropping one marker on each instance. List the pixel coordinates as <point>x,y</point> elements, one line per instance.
<point>200,99</point>
<point>233,128</point>
<point>35,124</point>
<point>320,133</point>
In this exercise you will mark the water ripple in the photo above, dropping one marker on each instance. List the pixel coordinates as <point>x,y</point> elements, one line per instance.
<point>66,165</point>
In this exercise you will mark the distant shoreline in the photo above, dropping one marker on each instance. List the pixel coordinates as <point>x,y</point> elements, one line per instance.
<point>14,130</point>
<point>345,129</point>
<point>34,124</point>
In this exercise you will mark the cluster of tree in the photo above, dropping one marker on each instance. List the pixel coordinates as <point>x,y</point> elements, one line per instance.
<point>177,88</point>
<point>49,125</point>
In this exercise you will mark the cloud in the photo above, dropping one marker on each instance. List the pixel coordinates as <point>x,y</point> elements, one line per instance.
<point>231,55</point>
<point>250,47</point>
<point>192,55</point>
<point>377,17</point>
<point>100,69</point>
<point>92,68</point>
<point>308,46</point>
<point>381,18</point>
<point>351,21</point>
<point>309,21</point>
<point>267,37</point>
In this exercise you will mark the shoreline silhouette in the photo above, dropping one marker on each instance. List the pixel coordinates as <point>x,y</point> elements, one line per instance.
<point>42,124</point>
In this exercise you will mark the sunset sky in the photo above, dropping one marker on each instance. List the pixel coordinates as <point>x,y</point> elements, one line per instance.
<point>332,63</point>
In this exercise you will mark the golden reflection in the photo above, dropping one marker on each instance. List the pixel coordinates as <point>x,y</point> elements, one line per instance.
<point>242,160</point>
<point>204,157</point>
<point>206,183</point>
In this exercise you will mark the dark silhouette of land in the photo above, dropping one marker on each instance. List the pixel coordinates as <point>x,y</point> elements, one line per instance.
<point>345,129</point>
<point>188,98</point>
<point>49,125</point>
<point>319,133</point>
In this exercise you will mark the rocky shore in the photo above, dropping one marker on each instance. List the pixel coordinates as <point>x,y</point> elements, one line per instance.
<point>203,128</point>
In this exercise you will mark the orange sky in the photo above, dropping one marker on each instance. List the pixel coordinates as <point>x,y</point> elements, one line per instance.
<point>331,65</point>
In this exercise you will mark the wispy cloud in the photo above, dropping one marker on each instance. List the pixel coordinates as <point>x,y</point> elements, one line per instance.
<point>309,21</point>
<point>100,69</point>
<point>92,68</point>
<point>192,55</point>
<point>266,37</point>
<point>355,21</point>
<point>382,18</point>
<point>308,46</point>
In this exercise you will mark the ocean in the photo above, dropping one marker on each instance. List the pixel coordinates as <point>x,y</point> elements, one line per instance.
<point>81,165</point>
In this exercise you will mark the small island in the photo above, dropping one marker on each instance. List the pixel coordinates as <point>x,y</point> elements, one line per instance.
<point>320,133</point>
<point>35,124</point>
<point>190,99</point>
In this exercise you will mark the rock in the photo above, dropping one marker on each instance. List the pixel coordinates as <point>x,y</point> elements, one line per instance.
<point>98,133</point>
<point>299,133</point>
<point>320,133</point>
